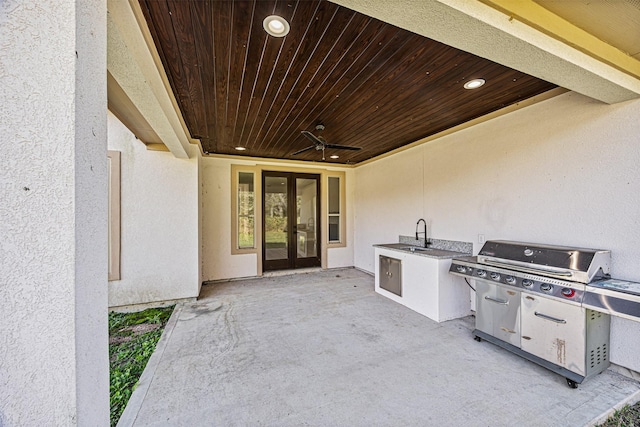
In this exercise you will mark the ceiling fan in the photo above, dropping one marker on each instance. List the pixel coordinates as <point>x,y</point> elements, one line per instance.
<point>319,143</point>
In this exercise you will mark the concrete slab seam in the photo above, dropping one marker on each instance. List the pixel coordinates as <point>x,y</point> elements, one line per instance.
<point>137,398</point>
<point>630,400</point>
<point>281,273</point>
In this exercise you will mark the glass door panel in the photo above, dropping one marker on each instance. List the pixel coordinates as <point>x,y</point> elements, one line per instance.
<point>306,217</point>
<point>276,244</point>
<point>290,213</point>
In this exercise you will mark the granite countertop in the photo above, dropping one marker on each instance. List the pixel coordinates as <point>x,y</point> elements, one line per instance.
<point>420,251</point>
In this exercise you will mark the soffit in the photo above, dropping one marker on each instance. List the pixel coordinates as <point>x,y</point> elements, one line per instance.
<point>616,22</point>
<point>372,85</point>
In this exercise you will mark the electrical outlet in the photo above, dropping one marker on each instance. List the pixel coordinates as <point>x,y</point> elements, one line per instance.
<point>480,238</point>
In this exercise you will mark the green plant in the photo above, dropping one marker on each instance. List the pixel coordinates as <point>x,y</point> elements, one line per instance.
<point>628,416</point>
<point>275,223</point>
<point>132,340</point>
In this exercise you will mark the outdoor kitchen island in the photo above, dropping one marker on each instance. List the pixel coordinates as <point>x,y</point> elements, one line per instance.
<point>418,278</point>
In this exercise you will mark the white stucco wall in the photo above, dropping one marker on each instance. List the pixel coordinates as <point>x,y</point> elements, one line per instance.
<point>217,261</point>
<point>344,256</point>
<point>159,222</point>
<point>53,214</point>
<point>564,171</point>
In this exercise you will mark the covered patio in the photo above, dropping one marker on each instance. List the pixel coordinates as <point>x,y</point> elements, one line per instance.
<point>111,201</point>
<point>322,348</point>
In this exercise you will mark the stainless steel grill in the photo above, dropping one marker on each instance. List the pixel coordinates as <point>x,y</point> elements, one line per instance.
<point>529,300</point>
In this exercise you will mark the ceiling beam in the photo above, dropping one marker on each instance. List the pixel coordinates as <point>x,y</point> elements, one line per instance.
<point>122,107</point>
<point>485,31</point>
<point>131,64</point>
<point>536,16</point>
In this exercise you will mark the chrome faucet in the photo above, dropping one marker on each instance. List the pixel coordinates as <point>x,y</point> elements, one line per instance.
<point>426,240</point>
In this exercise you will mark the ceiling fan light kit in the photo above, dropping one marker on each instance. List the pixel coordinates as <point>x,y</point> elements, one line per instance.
<point>319,143</point>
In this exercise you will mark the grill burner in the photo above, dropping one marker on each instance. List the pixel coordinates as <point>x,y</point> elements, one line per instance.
<point>529,300</point>
<point>557,272</point>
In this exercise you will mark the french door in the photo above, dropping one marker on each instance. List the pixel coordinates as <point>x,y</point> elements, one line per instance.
<point>290,220</point>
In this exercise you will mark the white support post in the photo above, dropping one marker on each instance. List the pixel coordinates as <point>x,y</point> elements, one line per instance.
<point>53,213</point>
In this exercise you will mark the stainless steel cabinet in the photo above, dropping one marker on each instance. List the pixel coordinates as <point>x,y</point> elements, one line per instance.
<point>498,312</point>
<point>554,331</point>
<point>391,275</point>
<point>558,332</point>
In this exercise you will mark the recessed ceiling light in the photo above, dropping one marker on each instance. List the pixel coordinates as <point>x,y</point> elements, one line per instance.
<point>474,84</point>
<point>276,26</point>
<point>335,156</point>
<point>240,148</point>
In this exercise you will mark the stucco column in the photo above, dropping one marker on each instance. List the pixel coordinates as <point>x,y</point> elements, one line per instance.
<point>53,213</point>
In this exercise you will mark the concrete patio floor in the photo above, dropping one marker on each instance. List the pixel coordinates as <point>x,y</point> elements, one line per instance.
<point>323,349</point>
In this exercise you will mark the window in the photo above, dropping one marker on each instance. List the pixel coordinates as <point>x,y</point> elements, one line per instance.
<point>113,165</point>
<point>246,211</point>
<point>244,199</point>
<point>335,226</point>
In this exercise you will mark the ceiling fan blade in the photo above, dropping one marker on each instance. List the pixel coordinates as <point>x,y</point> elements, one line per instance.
<point>312,137</point>
<point>304,149</point>
<point>342,147</point>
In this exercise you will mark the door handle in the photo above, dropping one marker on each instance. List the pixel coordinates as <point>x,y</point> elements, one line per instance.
<point>553,319</point>
<point>497,301</point>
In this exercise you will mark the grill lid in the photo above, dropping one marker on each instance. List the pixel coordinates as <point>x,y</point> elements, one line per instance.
<point>576,264</point>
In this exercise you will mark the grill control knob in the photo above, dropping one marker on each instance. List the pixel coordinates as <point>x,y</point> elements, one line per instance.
<point>510,280</point>
<point>527,283</point>
<point>495,276</point>
<point>461,268</point>
<point>568,292</point>
<point>545,287</point>
<point>482,273</point>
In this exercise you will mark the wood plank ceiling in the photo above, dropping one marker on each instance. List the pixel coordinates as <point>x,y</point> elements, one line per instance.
<point>371,84</point>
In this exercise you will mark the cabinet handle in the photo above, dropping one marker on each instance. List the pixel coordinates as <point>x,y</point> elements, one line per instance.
<point>497,301</point>
<point>553,319</point>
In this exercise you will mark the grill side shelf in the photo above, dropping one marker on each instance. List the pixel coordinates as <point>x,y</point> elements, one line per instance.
<point>613,302</point>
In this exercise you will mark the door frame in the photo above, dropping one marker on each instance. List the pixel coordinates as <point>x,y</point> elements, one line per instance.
<point>256,169</point>
<point>292,261</point>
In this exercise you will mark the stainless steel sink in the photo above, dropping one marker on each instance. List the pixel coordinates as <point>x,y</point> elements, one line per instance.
<point>416,249</point>
<point>420,250</point>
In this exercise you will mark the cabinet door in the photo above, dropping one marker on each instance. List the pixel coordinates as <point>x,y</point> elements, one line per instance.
<point>498,312</point>
<point>391,275</point>
<point>554,331</point>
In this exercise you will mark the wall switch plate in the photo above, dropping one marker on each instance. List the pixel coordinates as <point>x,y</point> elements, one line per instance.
<point>480,238</point>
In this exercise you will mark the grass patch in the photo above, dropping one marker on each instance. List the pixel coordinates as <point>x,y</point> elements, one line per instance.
<point>132,340</point>
<point>628,416</point>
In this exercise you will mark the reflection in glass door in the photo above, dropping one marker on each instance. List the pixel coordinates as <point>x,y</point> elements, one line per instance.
<point>306,217</point>
<point>290,220</point>
<point>276,243</point>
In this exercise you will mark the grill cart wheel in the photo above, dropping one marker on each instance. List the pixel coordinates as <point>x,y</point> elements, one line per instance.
<point>572,383</point>
<point>477,338</point>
